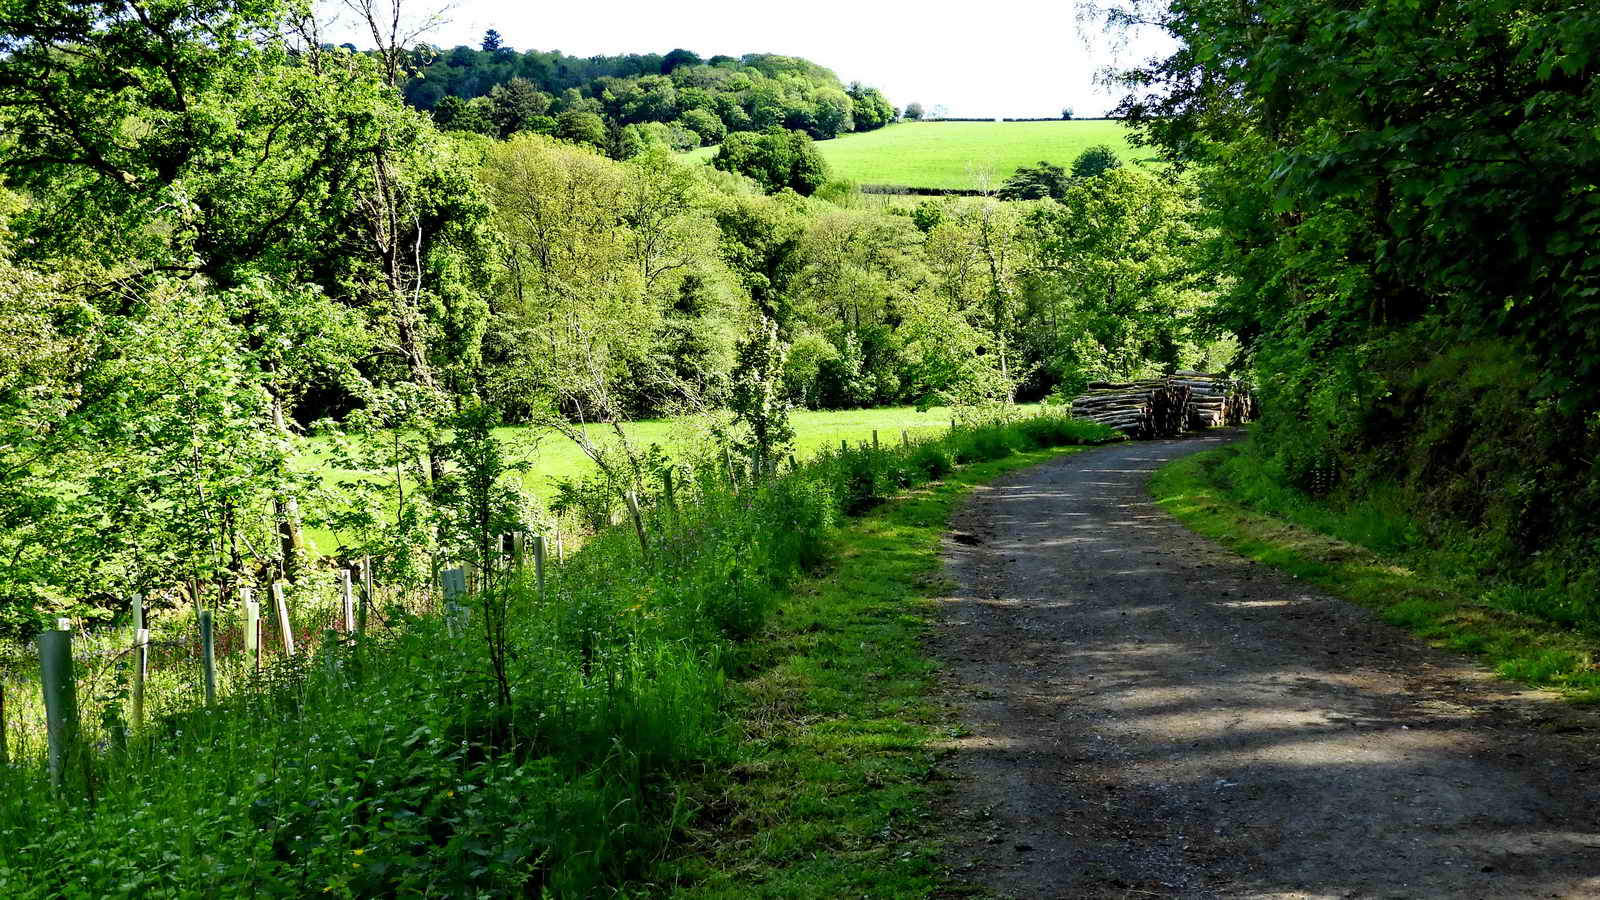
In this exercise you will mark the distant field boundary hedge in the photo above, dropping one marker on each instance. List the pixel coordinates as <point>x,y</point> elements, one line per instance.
<point>1054,119</point>
<point>918,191</point>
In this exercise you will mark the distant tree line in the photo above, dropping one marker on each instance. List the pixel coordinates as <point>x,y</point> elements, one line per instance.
<point>622,104</point>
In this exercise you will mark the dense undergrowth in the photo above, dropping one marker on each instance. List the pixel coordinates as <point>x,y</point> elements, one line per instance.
<point>392,766</point>
<point>1462,456</point>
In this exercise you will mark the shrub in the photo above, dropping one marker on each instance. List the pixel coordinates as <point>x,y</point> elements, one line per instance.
<point>1095,160</point>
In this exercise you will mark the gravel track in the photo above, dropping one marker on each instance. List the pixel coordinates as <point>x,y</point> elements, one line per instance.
<point>1147,714</point>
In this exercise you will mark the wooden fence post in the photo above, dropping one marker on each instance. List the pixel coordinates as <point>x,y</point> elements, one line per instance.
<point>844,446</point>
<point>905,438</point>
<point>208,656</point>
<point>538,563</point>
<point>347,596</point>
<point>366,594</point>
<point>793,465</point>
<point>632,499</point>
<point>283,618</point>
<point>666,484</point>
<point>60,702</point>
<point>727,463</point>
<point>874,439</point>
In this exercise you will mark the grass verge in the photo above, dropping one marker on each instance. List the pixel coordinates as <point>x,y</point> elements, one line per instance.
<point>1419,591</point>
<point>829,793</point>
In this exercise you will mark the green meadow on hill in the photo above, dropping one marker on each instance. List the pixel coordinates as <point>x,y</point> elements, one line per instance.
<point>947,155</point>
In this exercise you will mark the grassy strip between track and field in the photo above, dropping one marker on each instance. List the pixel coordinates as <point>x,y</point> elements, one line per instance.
<point>829,795</point>
<point>1422,595</point>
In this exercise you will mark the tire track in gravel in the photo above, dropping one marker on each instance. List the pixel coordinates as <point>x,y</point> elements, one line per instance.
<point>1148,714</point>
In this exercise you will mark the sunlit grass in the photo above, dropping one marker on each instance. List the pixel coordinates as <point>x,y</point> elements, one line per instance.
<point>552,457</point>
<point>947,154</point>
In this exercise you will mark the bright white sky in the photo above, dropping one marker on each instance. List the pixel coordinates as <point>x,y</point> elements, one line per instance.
<point>996,58</point>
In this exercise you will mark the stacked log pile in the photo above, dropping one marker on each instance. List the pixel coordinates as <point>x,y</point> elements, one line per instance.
<point>1209,398</point>
<point>1166,407</point>
<point>1151,408</point>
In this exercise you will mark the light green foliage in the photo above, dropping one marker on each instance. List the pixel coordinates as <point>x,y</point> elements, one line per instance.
<point>615,299</point>
<point>1114,291</point>
<point>757,400</point>
<point>152,469</point>
<point>705,124</point>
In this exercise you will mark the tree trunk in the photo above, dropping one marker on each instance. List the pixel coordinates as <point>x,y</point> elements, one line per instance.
<point>286,509</point>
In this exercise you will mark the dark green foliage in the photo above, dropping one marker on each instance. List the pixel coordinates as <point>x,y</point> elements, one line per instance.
<point>456,114</point>
<point>677,58</point>
<point>934,460</point>
<point>515,106</point>
<point>1386,248</point>
<point>914,112</point>
<point>1095,160</point>
<point>928,215</point>
<point>872,109</point>
<point>581,127</point>
<point>1040,182</point>
<point>751,93</point>
<point>776,159</point>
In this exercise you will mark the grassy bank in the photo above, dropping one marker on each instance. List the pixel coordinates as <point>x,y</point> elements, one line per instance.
<point>943,154</point>
<point>1368,551</point>
<point>398,764</point>
<point>828,794</point>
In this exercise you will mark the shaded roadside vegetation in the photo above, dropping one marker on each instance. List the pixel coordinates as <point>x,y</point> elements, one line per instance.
<point>408,765</point>
<point>1372,548</point>
<point>1406,201</point>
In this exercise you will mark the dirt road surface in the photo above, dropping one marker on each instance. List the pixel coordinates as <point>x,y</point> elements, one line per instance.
<point>1148,715</point>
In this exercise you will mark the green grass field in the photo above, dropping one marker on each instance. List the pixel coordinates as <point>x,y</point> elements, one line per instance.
<point>945,154</point>
<point>552,456</point>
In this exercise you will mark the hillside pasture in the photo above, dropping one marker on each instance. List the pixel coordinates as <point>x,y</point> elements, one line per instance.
<point>948,155</point>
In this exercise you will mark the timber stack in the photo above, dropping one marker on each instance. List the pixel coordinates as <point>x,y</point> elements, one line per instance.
<point>1166,407</point>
